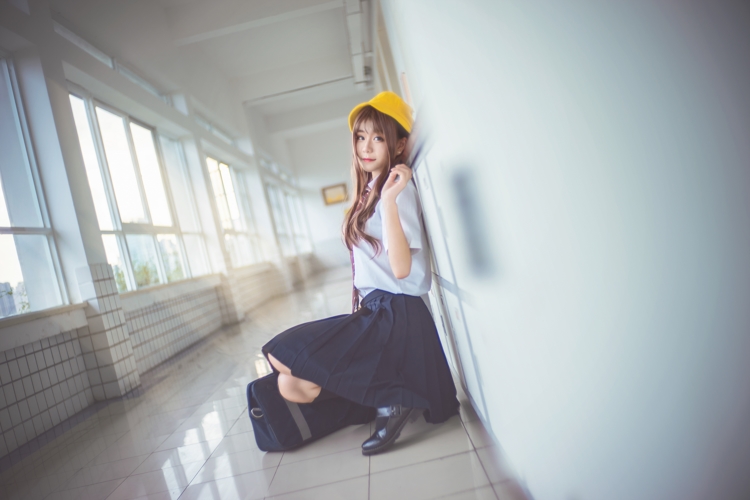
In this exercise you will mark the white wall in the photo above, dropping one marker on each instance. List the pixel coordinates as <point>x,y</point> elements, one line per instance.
<point>606,148</point>
<point>322,159</point>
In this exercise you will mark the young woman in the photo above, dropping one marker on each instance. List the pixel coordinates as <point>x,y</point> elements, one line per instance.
<point>387,353</point>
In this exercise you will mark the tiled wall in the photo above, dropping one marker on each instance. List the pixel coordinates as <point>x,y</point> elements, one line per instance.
<point>165,328</point>
<point>253,285</point>
<point>106,345</point>
<point>45,382</point>
<point>42,384</point>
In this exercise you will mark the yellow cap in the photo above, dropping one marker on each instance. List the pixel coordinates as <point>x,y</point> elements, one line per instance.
<point>387,103</point>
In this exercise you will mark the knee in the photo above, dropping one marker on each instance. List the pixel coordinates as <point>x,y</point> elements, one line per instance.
<point>290,390</point>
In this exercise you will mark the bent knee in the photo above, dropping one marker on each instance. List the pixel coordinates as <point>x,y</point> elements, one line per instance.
<point>290,389</point>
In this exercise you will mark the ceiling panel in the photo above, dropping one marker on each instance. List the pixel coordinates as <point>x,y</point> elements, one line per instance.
<point>318,36</point>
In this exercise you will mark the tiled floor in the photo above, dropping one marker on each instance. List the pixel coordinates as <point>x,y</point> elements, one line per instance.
<point>187,435</point>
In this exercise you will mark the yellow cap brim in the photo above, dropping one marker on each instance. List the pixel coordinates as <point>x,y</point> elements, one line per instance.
<point>389,104</point>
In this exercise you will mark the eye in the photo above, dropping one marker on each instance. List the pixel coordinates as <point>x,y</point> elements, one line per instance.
<point>360,138</point>
<point>378,138</point>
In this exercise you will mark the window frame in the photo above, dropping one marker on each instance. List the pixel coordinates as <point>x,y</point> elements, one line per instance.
<point>246,219</point>
<point>29,158</point>
<point>122,229</point>
<point>284,195</point>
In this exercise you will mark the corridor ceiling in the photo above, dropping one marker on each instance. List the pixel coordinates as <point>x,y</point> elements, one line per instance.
<point>273,55</point>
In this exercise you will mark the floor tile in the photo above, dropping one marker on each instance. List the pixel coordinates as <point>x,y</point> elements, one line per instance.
<point>235,464</point>
<point>510,490</point>
<point>351,489</point>
<point>101,473</point>
<point>429,479</point>
<point>420,442</point>
<point>251,486</point>
<point>127,448</point>
<point>98,491</point>
<point>319,471</point>
<point>236,443</point>
<point>243,424</point>
<point>480,437</point>
<point>495,465</point>
<point>183,455</point>
<point>348,438</point>
<point>484,493</point>
<point>174,479</point>
<point>208,431</point>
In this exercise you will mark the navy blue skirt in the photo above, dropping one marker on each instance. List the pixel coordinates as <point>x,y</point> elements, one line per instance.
<point>386,353</point>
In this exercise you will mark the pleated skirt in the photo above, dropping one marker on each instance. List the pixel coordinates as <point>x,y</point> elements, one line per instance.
<point>386,353</point>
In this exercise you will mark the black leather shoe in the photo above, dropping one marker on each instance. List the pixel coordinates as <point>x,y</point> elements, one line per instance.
<point>389,422</point>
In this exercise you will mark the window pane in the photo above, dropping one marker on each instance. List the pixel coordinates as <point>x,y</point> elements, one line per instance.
<point>153,185</point>
<point>13,299</point>
<point>179,181</point>
<point>143,258</point>
<point>234,211</point>
<point>196,254</point>
<point>121,169</point>
<point>245,201</point>
<point>114,259</point>
<point>4,218</point>
<point>20,196</point>
<point>240,250</point>
<point>218,187</point>
<point>27,274</point>
<point>293,214</point>
<point>171,257</point>
<point>90,160</point>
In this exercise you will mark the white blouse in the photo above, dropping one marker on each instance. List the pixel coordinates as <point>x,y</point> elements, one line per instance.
<point>373,271</point>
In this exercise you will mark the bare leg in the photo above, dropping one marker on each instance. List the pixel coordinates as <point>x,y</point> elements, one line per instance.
<point>294,389</point>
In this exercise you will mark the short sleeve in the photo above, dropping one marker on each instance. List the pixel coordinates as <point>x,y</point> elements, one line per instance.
<point>409,213</point>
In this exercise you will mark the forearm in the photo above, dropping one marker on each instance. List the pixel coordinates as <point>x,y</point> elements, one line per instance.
<point>399,253</point>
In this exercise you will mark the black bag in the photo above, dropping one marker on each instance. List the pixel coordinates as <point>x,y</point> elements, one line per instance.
<point>281,425</point>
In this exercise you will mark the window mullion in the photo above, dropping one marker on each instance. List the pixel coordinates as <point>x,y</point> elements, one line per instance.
<point>28,150</point>
<point>137,168</point>
<point>160,261</point>
<point>122,243</point>
<point>26,230</point>
<point>185,259</point>
<point>166,183</point>
<point>114,210</point>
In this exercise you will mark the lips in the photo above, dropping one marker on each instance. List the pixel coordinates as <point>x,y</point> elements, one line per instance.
<point>368,159</point>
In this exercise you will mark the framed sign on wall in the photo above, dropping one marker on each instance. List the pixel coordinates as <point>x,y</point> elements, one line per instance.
<point>335,194</point>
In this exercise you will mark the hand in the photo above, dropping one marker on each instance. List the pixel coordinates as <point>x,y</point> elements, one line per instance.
<point>398,178</point>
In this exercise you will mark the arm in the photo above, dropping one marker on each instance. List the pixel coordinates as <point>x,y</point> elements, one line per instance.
<point>399,253</point>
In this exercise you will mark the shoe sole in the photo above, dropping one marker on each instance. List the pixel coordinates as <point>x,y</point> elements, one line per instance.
<point>414,415</point>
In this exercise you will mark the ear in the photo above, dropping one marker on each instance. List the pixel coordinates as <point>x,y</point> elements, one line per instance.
<point>400,145</point>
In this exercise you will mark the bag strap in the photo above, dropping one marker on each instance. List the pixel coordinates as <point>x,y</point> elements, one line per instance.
<point>299,420</point>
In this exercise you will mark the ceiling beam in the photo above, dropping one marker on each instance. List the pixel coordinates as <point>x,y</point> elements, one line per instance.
<point>265,21</point>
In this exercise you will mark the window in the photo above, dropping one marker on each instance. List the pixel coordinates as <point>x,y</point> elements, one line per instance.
<point>289,220</point>
<point>139,184</point>
<point>233,205</point>
<point>28,268</point>
<point>299,224</point>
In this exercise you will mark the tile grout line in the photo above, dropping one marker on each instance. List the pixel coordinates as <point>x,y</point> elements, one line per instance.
<point>275,471</point>
<point>321,485</point>
<point>484,468</point>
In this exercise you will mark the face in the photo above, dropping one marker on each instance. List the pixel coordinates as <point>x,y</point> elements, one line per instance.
<point>372,149</point>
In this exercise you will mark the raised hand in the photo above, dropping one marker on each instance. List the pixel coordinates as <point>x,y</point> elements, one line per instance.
<point>398,178</point>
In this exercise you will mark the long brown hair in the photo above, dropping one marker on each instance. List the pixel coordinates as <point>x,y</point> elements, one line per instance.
<point>392,132</point>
